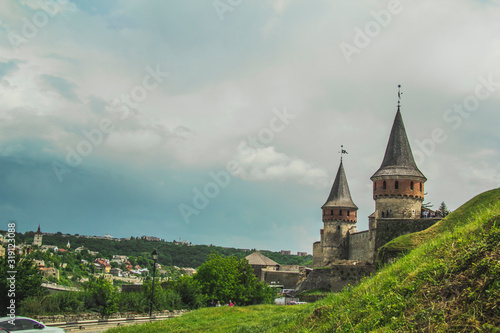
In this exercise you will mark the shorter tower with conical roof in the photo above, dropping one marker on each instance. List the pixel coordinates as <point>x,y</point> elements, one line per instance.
<point>339,220</point>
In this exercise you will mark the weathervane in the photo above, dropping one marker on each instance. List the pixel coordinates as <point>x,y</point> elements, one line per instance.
<point>342,152</point>
<point>399,96</point>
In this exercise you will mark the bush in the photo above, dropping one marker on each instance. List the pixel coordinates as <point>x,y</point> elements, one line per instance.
<point>101,296</point>
<point>132,302</point>
<point>58,303</point>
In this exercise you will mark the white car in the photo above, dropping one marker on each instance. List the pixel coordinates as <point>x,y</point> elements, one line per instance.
<point>28,325</point>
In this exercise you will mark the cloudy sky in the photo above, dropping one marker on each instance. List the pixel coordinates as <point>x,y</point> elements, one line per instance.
<point>220,122</point>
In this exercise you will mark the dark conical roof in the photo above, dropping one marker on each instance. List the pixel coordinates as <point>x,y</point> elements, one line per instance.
<point>340,196</point>
<point>398,159</point>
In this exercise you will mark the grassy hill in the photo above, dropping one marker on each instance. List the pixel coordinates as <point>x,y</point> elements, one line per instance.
<point>449,281</point>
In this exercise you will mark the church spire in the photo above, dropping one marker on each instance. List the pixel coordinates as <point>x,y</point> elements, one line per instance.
<point>398,158</point>
<point>340,196</point>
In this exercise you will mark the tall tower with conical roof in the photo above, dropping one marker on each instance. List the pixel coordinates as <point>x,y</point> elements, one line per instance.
<point>37,240</point>
<point>339,219</point>
<point>398,185</point>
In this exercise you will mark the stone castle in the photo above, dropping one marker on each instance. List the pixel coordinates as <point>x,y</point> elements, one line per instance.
<point>398,191</point>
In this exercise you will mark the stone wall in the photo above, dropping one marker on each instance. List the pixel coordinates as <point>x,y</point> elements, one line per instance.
<point>361,246</point>
<point>289,280</point>
<point>388,229</point>
<point>289,268</point>
<point>335,278</point>
<point>317,254</point>
<point>398,207</point>
<point>94,316</point>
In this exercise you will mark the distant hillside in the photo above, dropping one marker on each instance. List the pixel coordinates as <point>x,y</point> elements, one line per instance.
<point>450,281</point>
<point>170,254</point>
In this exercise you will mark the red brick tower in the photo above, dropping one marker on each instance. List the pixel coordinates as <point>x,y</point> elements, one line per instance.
<point>398,185</point>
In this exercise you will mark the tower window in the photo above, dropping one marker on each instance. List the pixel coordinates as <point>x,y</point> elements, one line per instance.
<point>374,186</point>
<point>384,185</point>
<point>348,213</point>
<point>331,212</point>
<point>383,214</point>
<point>420,187</point>
<point>411,186</point>
<point>396,185</point>
<point>340,212</point>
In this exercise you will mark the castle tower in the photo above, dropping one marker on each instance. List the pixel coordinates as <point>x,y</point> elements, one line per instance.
<point>339,219</point>
<point>398,185</point>
<point>37,240</point>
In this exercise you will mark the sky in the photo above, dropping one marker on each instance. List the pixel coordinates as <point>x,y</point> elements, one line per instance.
<point>221,122</point>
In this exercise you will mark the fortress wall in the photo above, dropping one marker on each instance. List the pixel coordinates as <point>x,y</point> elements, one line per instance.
<point>289,280</point>
<point>361,246</point>
<point>398,207</point>
<point>289,268</point>
<point>336,277</point>
<point>388,229</point>
<point>317,254</point>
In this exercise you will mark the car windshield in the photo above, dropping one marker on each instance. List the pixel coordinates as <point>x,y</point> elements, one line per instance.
<point>19,324</point>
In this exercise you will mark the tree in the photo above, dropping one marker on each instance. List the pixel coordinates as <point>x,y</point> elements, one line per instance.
<point>101,296</point>
<point>25,282</point>
<point>230,278</point>
<point>443,210</point>
<point>190,292</point>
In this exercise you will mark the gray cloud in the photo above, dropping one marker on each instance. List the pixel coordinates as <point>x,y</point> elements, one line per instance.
<point>61,86</point>
<point>8,67</point>
<point>226,79</point>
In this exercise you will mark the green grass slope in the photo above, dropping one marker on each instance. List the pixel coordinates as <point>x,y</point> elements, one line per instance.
<point>450,281</point>
<point>459,218</point>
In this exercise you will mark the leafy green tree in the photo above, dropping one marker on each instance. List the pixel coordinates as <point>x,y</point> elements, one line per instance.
<point>190,292</point>
<point>230,278</point>
<point>101,296</point>
<point>25,282</point>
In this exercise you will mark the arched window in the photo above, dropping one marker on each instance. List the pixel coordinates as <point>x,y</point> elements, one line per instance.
<point>383,214</point>
<point>411,186</point>
<point>331,212</point>
<point>348,213</point>
<point>420,187</point>
<point>340,212</point>
<point>384,185</point>
<point>396,185</point>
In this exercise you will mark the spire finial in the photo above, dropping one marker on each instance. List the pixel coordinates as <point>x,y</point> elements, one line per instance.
<point>342,152</point>
<point>399,96</point>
